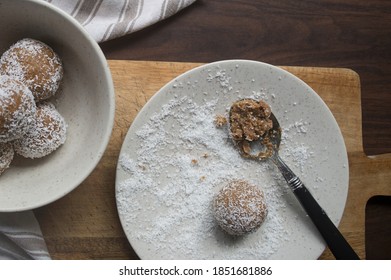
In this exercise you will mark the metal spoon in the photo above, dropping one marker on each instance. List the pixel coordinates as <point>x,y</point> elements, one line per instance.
<point>330,233</point>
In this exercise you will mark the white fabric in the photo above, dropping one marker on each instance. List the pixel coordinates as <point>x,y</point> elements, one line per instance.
<point>109,19</point>
<point>21,237</point>
<point>20,234</point>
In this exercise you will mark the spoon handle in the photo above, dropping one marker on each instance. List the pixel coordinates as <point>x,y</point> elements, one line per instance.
<point>333,237</point>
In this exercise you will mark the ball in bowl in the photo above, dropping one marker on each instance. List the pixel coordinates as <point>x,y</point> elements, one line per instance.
<point>85,99</point>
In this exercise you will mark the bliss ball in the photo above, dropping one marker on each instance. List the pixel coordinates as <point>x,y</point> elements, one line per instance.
<point>239,207</point>
<point>17,109</point>
<point>36,65</point>
<point>46,136</point>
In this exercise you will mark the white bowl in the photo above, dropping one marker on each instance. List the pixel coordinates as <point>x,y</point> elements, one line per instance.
<point>86,101</point>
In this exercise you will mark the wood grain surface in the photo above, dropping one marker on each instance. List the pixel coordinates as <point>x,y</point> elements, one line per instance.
<point>351,34</point>
<point>85,223</point>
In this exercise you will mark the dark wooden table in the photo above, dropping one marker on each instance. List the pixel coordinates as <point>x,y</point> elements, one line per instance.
<point>353,34</point>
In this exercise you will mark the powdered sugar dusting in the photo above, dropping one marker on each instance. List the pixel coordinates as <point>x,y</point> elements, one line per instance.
<point>180,161</point>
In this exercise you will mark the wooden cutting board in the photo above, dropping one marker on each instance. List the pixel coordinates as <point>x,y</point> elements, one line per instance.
<point>85,224</point>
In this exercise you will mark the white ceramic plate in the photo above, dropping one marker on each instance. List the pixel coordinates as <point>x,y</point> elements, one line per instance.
<point>174,159</point>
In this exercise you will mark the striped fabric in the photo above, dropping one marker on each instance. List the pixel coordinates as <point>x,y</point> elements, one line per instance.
<point>21,237</point>
<point>106,20</point>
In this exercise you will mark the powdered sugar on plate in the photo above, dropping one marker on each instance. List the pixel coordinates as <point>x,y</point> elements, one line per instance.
<point>175,159</point>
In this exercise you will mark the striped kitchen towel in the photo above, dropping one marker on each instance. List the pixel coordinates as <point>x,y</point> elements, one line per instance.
<point>106,20</point>
<point>21,237</point>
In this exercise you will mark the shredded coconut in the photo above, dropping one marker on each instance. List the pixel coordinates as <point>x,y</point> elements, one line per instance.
<point>6,156</point>
<point>221,77</point>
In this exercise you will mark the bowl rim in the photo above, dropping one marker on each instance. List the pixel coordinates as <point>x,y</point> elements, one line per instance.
<point>111,96</point>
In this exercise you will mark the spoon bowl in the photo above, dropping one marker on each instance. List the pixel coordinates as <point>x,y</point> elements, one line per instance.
<point>267,143</point>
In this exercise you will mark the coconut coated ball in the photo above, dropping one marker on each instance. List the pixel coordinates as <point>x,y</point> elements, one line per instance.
<point>36,65</point>
<point>240,207</point>
<point>46,136</point>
